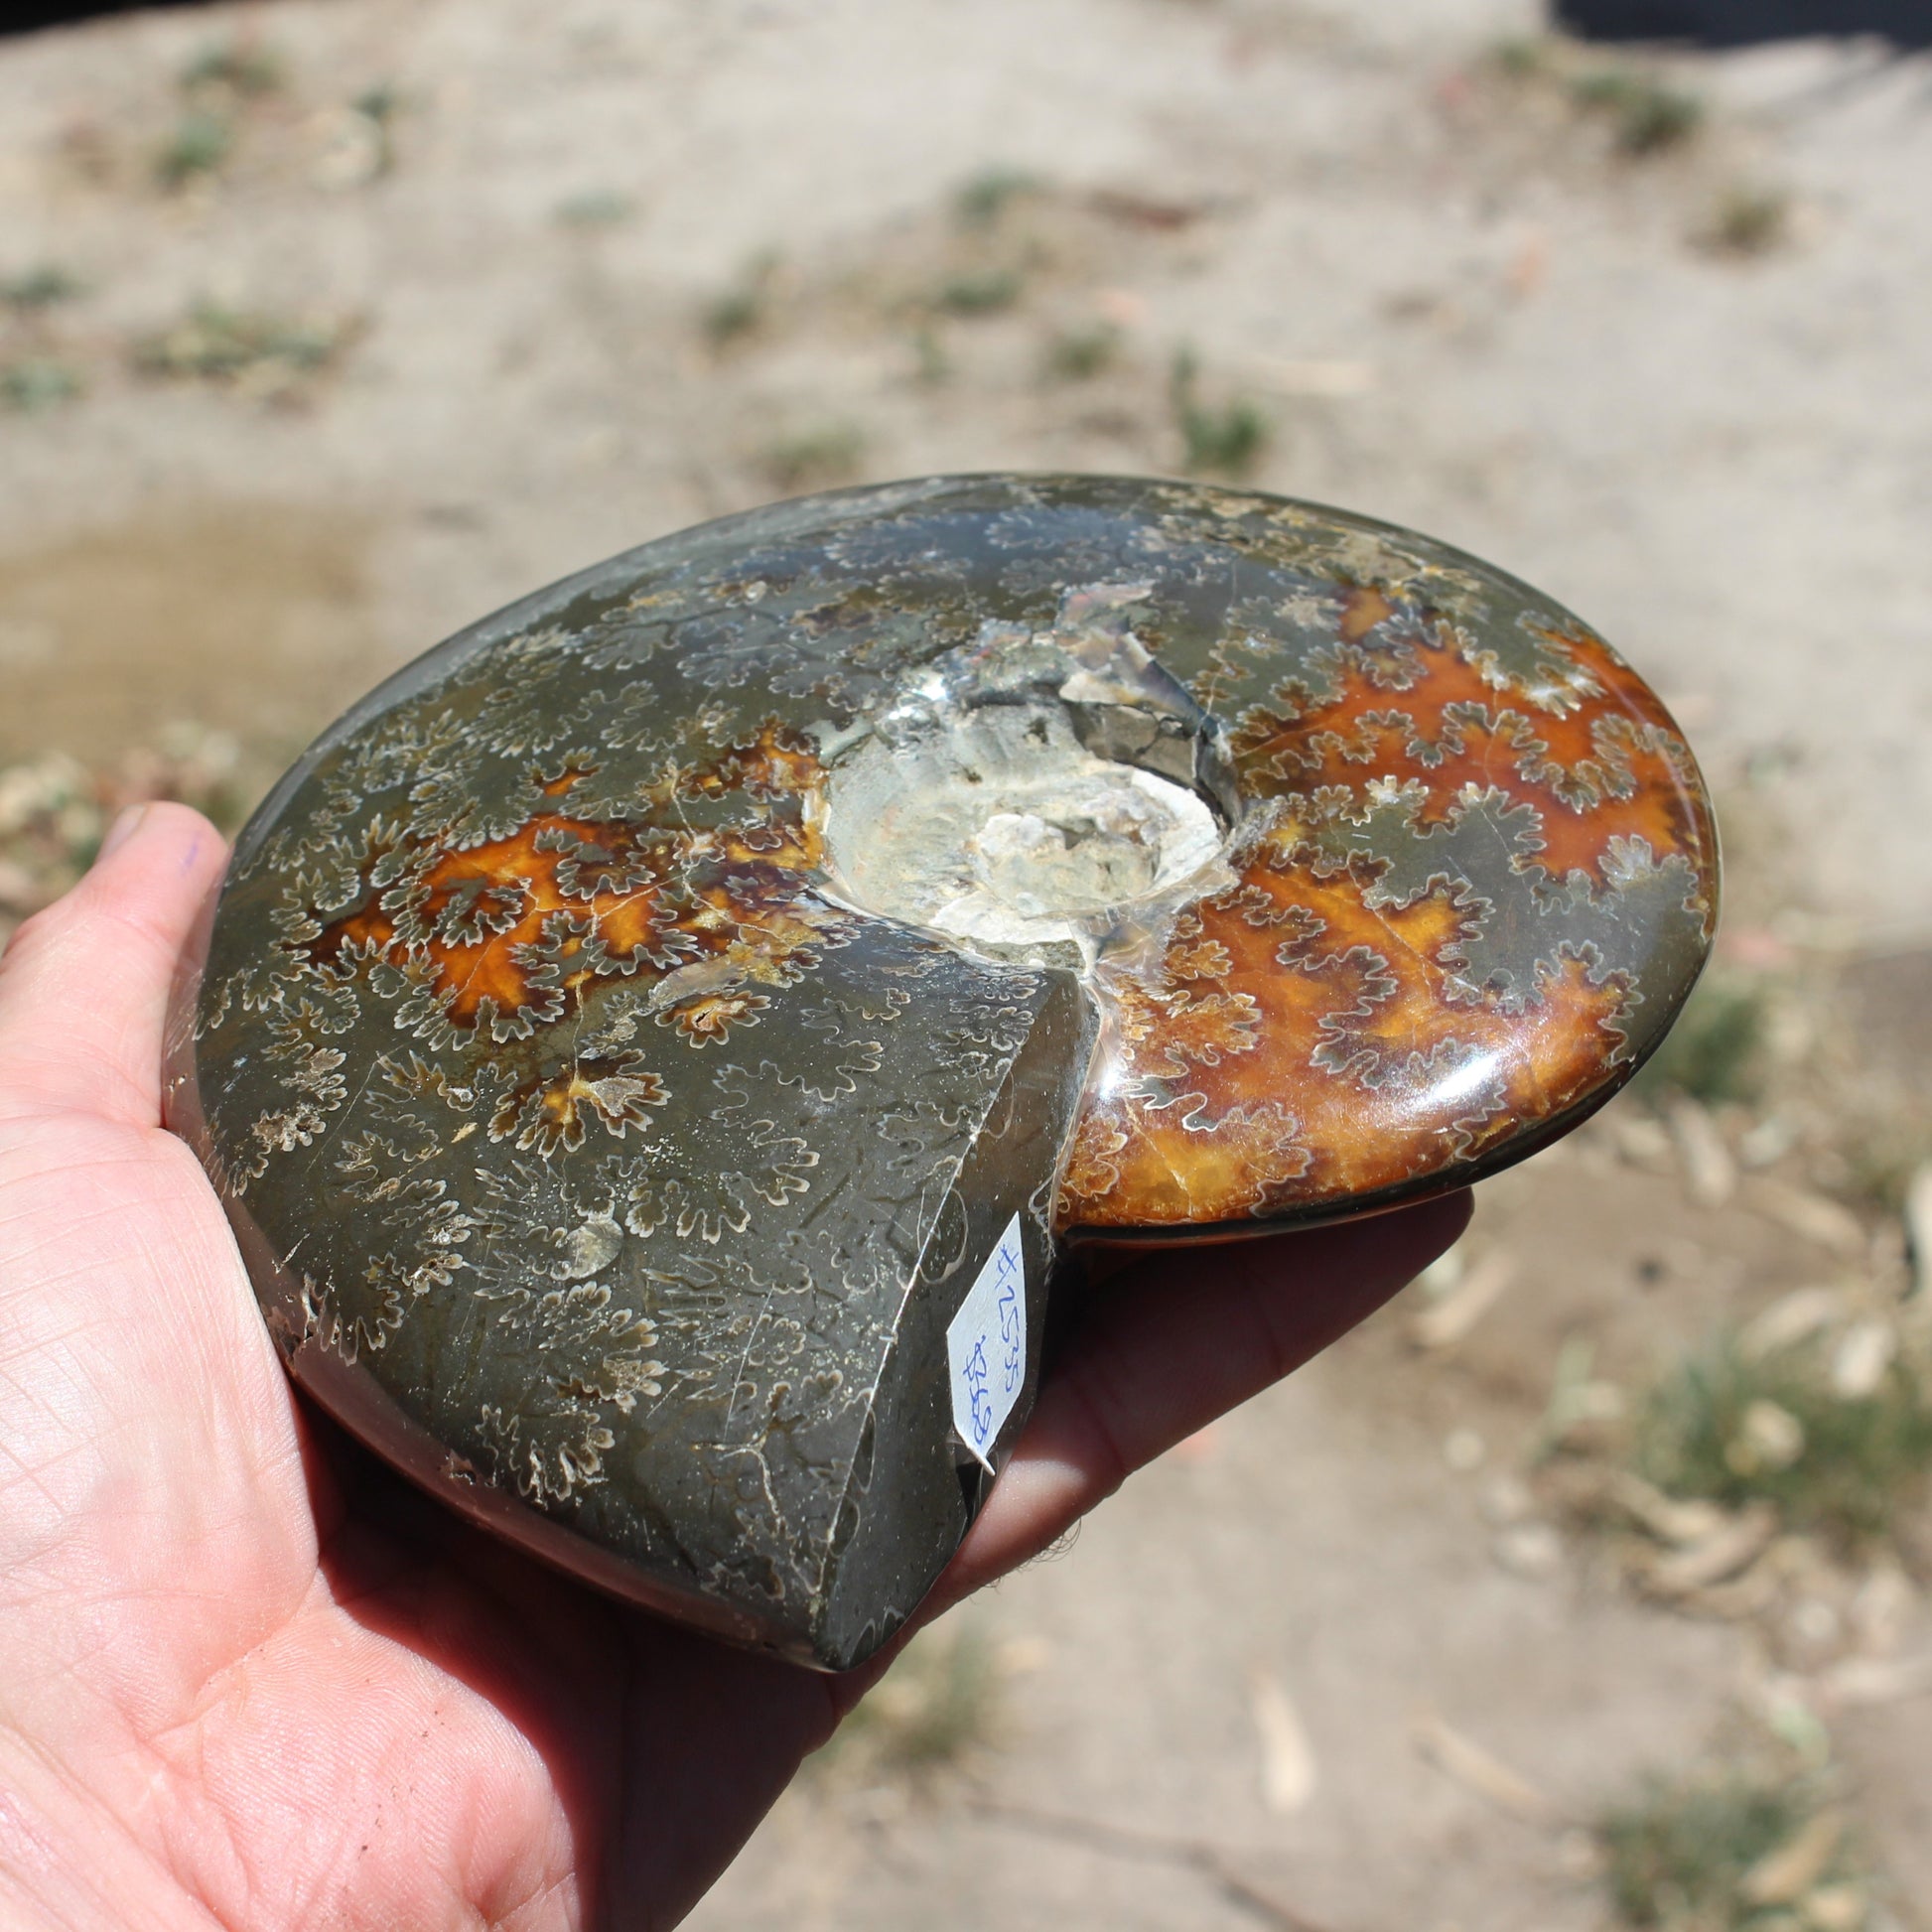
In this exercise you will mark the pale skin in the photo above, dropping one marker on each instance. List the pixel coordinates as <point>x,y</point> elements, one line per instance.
<point>249,1679</point>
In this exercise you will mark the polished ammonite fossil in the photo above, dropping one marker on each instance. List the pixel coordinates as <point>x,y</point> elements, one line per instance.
<point>655,1050</point>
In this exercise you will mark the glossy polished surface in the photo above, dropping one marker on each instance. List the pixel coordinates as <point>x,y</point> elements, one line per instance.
<point>625,1035</point>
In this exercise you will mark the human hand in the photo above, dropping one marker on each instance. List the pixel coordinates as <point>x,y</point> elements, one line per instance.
<point>248,1677</point>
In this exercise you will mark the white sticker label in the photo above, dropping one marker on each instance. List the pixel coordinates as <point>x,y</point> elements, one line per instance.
<point>986,1346</point>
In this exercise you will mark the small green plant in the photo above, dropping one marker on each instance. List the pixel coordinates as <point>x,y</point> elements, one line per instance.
<point>200,142</point>
<point>1732,1847</point>
<point>596,208</point>
<point>745,307</point>
<point>981,200</point>
<point>238,69</point>
<point>54,811</point>
<point>1521,56</point>
<point>1750,221</point>
<point>380,103</point>
<point>37,382</point>
<point>218,344</point>
<point>980,292</point>
<point>1648,114</point>
<point>1226,438</point>
<point>1714,1053</point>
<point>1080,354</point>
<point>937,1705</point>
<point>42,287</point>
<point>932,366</point>
<point>382,106</point>
<point>824,454</point>
<point>1734,1429</point>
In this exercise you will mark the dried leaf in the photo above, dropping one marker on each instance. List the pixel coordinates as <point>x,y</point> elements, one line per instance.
<point>1288,1770</point>
<point>1836,1908</point>
<point>1788,1872</point>
<point>1854,1683</point>
<point>1816,1218</point>
<point>1792,1318</point>
<point>1599,1487</point>
<point>1863,1357</point>
<point>1640,1141</point>
<point>1447,1321</point>
<point>1710,1173</point>
<point>1737,1543</point>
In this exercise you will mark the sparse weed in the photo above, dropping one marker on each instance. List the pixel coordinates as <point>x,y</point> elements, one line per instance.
<point>1080,354</point>
<point>217,86</point>
<point>246,71</point>
<point>1721,1426</point>
<point>217,344</point>
<point>1750,221</point>
<point>1714,1053</point>
<point>932,366</point>
<point>380,103</point>
<point>744,307</point>
<point>200,144</point>
<point>980,292</point>
<point>1226,438</point>
<point>54,811</point>
<point>1648,114</point>
<point>382,106</point>
<point>1521,56</point>
<point>983,200</point>
<point>596,208</point>
<point>37,382</point>
<point>812,458</point>
<point>1732,1848</point>
<point>42,287</point>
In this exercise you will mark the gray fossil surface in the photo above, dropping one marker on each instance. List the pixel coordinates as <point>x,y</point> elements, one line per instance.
<point>628,1037</point>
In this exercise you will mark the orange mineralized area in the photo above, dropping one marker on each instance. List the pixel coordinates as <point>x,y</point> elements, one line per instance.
<point>1294,1045</point>
<point>518,926</point>
<point>1585,745</point>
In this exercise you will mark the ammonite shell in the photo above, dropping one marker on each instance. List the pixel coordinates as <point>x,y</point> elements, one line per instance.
<point>656,1048</point>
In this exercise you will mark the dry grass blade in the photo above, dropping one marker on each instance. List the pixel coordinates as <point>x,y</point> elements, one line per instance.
<point>1710,1172</point>
<point>1858,1683</point>
<point>1593,1489</point>
<point>1481,1771</point>
<point>1288,1768</point>
<point>1812,1217</point>
<point>1197,1854</point>
<point>1790,1319</point>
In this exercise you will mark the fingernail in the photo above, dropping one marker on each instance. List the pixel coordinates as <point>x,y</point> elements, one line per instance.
<point>122,829</point>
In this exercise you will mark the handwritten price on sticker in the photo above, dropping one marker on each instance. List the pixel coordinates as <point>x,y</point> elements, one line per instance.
<point>986,1346</point>
<point>1013,1321</point>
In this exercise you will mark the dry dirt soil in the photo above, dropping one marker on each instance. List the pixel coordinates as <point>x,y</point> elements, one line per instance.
<point>476,293</point>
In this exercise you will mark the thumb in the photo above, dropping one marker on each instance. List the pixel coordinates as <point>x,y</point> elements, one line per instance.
<point>84,984</point>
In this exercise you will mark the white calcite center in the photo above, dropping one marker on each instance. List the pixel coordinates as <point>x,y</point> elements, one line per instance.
<point>1004,830</point>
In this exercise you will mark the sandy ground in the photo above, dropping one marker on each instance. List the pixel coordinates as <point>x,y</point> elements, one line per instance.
<point>1457,306</point>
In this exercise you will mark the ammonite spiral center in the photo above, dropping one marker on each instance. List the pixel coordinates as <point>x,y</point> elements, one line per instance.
<point>1025,794</point>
